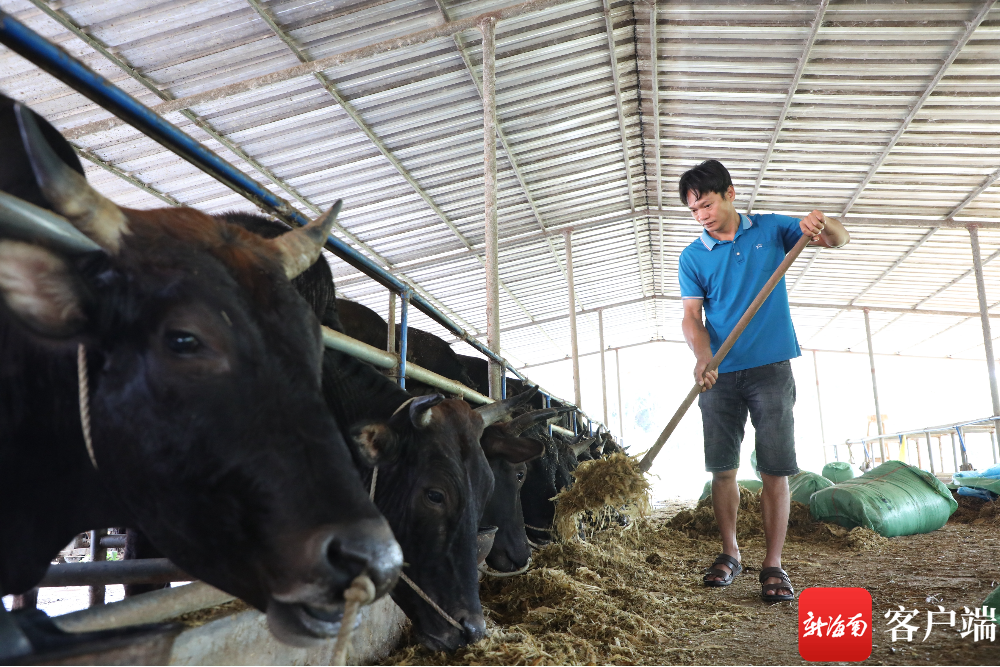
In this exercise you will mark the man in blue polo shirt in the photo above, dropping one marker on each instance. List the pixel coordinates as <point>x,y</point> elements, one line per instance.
<point>722,271</point>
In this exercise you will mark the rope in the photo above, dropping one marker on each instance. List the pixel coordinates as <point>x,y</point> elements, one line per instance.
<point>540,530</point>
<point>444,614</point>
<point>360,592</point>
<point>490,572</point>
<point>84,390</point>
<point>371,493</point>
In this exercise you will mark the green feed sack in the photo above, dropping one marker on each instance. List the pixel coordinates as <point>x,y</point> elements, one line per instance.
<point>750,484</point>
<point>838,471</point>
<point>987,483</point>
<point>992,601</point>
<point>892,499</point>
<point>980,479</point>
<point>804,484</point>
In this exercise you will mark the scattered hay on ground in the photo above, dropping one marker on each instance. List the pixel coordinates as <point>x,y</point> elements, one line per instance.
<point>620,598</point>
<point>193,619</point>
<point>611,482</point>
<point>975,510</point>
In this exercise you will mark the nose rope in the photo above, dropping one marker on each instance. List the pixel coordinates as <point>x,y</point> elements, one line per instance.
<point>410,582</point>
<point>84,391</point>
<point>490,572</point>
<point>360,592</point>
<point>444,614</point>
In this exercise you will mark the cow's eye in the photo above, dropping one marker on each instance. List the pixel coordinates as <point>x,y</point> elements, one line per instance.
<point>182,342</point>
<point>435,496</point>
<point>520,476</point>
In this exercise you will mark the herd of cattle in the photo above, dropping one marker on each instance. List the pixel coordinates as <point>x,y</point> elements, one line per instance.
<point>215,425</point>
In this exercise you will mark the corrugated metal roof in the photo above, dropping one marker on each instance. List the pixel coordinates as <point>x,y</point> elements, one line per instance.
<point>879,111</point>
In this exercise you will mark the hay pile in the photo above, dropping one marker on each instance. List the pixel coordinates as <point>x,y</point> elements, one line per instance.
<point>975,510</point>
<point>629,595</point>
<point>700,522</point>
<point>612,483</point>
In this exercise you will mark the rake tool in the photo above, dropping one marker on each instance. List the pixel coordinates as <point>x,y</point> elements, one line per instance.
<point>647,460</point>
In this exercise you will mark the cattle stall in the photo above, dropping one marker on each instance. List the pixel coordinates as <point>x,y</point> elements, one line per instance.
<point>508,171</point>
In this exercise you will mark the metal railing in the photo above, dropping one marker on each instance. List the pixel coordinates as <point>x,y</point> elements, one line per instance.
<point>78,76</point>
<point>98,574</point>
<point>957,431</point>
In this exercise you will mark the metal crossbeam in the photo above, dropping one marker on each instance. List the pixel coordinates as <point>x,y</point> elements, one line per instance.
<point>386,152</point>
<point>65,21</point>
<point>792,87</point>
<point>970,28</point>
<point>609,29</point>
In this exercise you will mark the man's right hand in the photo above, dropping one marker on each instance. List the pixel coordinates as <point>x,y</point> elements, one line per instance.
<point>705,379</point>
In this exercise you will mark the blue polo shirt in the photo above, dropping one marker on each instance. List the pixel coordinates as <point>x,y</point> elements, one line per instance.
<point>727,275</point>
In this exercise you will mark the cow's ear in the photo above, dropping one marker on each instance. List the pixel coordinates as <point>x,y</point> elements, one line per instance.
<point>41,290</point>
<point>512,450</point>
<point>376,443</point>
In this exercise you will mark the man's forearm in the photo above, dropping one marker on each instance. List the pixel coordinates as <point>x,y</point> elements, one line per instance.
<point>697,338</point>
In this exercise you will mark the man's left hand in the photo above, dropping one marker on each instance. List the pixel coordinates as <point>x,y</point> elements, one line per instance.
<point>813,225</point>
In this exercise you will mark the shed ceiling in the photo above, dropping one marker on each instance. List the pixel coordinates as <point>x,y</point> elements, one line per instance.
<point>885,113</point>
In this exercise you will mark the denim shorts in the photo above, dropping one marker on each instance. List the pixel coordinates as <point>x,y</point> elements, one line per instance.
<point>768,393</point>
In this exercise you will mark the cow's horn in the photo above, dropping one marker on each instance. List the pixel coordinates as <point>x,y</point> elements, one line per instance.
<point>25,221</point>
<point>494,412</point>
<point>529,419</point>
<point>68,192</point>
<point>301,247</point>
<point>582,446</point>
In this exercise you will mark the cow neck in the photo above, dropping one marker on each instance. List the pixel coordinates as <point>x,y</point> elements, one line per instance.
<point>409,582</point>
<point>84,391</point>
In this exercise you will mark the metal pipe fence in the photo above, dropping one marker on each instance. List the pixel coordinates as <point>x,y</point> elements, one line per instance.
<point>957,431</point>
<point>159,605</point>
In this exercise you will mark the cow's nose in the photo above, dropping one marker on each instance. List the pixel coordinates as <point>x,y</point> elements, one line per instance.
<point>473,627</point>
<point>366,546</point>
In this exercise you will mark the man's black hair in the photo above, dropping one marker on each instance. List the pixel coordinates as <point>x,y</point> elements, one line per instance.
<point>709,176</point>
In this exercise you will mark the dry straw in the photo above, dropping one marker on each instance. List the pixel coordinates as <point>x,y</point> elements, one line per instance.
<point>603,487</point>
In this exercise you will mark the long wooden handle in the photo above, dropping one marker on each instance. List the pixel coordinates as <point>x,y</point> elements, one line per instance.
<point>765,291</point>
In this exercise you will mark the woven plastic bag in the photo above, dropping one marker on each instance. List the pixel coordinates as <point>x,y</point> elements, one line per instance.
<point>804,484</point>
<point>979,479</point>
<point>892,499</point>
<point>750,484</point>
<point>838,471</point>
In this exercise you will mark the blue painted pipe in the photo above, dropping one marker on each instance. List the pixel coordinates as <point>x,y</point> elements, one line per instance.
<point>404,329</point>
<point>32,46</point>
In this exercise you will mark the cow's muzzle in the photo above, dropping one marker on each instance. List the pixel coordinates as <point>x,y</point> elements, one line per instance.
<point>310,603</point>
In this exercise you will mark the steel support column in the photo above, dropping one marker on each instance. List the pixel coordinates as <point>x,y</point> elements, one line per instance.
<point>871,361</point>
<point>488,28</point>
<point>977,265</point>
<point>572,318</point>
<point>97,554</point>
<point>404,324</point>
<point>930,453</point>
<point>819,403</point>
<point>654,58</point>
<point>954,452</point>
<point>390,332</point>
<point>621,408</point>
<point>604,376</point>
<point>993,443</point>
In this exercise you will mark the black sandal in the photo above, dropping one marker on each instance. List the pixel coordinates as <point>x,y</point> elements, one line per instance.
<point>769,592</point>
<point>727,577</point>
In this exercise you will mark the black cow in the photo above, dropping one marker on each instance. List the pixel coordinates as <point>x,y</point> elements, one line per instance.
<point>208,423</point>
<point>433,479</point>
<point>546,477</point>
<point>511,549</point>
<point>422,348</point>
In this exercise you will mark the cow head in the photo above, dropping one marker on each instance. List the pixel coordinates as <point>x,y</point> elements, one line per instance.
<point>433,484</point>
<point>547,476</point>
<point>206,411</point>
<point>509,454</point>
